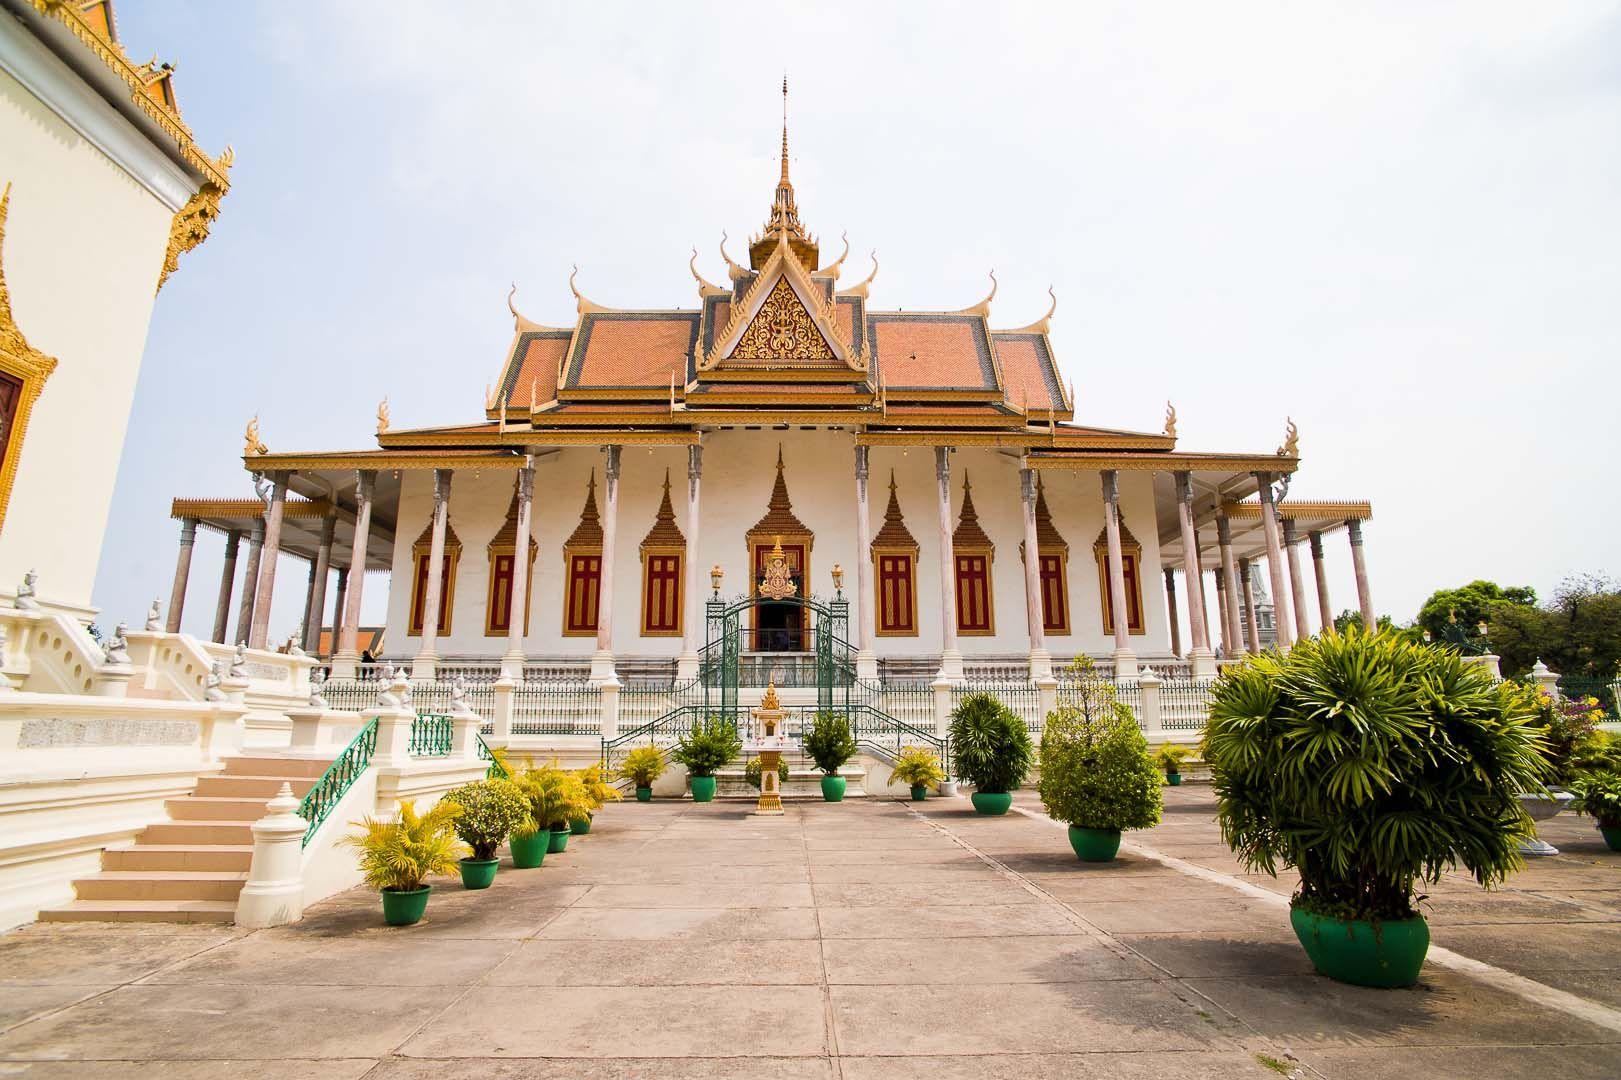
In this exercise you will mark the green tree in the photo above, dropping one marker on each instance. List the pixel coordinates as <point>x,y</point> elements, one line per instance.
<point>1472,603</point>
<point>1351,617</point>
<point>1578,634</point>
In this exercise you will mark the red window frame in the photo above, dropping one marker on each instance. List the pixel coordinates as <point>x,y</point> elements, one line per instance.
<point>580,614</point>
<point>897,605</point>
<point>973,593</point>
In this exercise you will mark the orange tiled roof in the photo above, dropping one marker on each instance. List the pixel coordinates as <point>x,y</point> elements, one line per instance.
<point>535,360</point>
<point>632,349</point>
<point>1028,374</point>
<point>931,351</point>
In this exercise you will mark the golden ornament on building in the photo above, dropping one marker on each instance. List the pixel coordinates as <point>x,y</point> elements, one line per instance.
<point>776,584</point>
<point>382,415</point>
<point>783,330</point>
<point>22,362</point>
<point>1291,440</point>
<point>252,446</point>
<point>191,225</point>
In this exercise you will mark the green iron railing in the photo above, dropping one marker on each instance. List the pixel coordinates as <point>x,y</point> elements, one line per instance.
<point>342,773</point>
<point>432,735</point>
<point>495,771</point>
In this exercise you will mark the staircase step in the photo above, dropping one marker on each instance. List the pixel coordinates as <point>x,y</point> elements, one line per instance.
<point>161,885</point>
<point>183,911</point>
<point>199,857</point>
<point>267,765</point>
<point>264,787</point>
<point>197,832</point>
<point>215,808</point>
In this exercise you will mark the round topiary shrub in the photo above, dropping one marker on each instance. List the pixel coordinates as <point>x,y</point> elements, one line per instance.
<point>490,811</point>
<point>1096,772</point>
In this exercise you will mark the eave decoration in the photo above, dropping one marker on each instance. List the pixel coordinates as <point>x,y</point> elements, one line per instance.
<point>192,224</point>
<point>21,364</point>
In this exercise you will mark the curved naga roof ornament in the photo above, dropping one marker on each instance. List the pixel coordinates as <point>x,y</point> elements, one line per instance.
<point>861,289</point>
<point>984,306</point>
<point>1040,326</point>
<point>1291,439</point>
<point>582,305</point>
<point>834,267</point>
<point>733,270</point>
<point>704,287</point>
<point>1170,420</point>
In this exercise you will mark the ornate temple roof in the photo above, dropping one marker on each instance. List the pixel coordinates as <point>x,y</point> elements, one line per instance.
<point>1047,534</point>
<point>779,519</point>
<point>588,533</point>
<point>665,533</point>
<point>969,534</point>
<point>894,534</point>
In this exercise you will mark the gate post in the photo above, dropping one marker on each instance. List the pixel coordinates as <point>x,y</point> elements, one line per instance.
<point>610,709</point>
<point>1152,720</point>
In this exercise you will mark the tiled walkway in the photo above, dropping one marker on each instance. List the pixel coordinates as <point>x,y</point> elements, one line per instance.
<point>863,940</point>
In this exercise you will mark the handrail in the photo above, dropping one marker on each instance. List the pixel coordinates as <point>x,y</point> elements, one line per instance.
<point>496,771</point>
<point>432,735</point>
<point>339,776</point>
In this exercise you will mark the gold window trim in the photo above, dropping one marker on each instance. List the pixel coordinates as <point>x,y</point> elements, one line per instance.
<point>420,552</point>
<point>495,551</point>
<point>1134,585</point>
<point>570,553</point>
<point>989,554</point>
<point>1061,552</point>
<point>910,553</point>
<point>680,554</point>
<point>21,361</point>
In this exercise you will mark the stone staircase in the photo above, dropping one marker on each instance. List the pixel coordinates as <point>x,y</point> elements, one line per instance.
<point>804,780</point>
<point>190,867</point>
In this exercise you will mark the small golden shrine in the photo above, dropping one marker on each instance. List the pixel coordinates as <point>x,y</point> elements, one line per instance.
<point>768,720</point>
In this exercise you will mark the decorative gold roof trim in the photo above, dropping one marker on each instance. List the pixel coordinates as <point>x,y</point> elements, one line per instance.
<point>193,222</point>
<point>381,460</point>
<point>21,361</point>
<point>665,535</point>
<point>1041,325</point>
<point>832,269</point>
<point>660,394</point>
<point>785,374</point>
<point>969,535</point>
<point>862,289</point>
<point>705,288</point>
<point>1300,508</point>
<point>112,55</point>
<point>1024,440</point>
<point>1171,462</point>
<point>839,418</point>
<point>983,308</point>
<point>588,533</point>
<point>782,265</point>
<point>197,508</point>
<point>894,536</point>
<point>541,437</point>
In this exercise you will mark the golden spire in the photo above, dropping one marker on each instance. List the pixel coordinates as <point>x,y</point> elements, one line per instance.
<point>784,182</point>
<point>783,222</point>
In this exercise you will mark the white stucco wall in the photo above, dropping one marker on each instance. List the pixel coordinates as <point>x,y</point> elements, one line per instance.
<point>738,475</point>
<point>83,247</point>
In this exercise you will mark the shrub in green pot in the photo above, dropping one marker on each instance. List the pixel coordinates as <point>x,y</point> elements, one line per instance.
<point>829,744</point>
<point>564,799</point>
<point>711,745</point>
<point>990,748</point>
<point>751,772</point>
<point>397,857</point>
<point>919,769</point>
<point>641,767</point>
<point>533,836</point>
<point>598,793</point>
<point>1170,758</point>
<point>1598,795</point>
<point>1096,774</point>
<point>1371,765</point>
<point>490,810</point>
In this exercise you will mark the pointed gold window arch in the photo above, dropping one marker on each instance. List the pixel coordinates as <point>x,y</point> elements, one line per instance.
<point>23,371</point>
<point>664,551</point>
<point>503,553</point>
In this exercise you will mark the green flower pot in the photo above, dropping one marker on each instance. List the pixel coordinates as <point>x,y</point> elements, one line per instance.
<point>703,788</point>
<point>920,792</point>
<point>1364,953</point>
<point>405,908</point>
<point>580,826</point>
<point>529,852</point>
<point>1174,779</point>
<point>558,841</point>
<point>992,802</point>
<point>644,794</point>
<point>478,873</point>
<point>1094,845</point>
<point>1612,836</point>
<point>833,788</point>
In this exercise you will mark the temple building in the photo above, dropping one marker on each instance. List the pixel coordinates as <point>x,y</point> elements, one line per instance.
<point>923,468</point>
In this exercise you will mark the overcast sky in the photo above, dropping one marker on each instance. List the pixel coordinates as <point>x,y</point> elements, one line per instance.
<point>1396,223</point>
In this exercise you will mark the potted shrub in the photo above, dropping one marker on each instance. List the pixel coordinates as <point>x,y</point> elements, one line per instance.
<point>531,839</point>
<point>397,857</point>
<point>919,769</point>
<point>1598,795</point>
<point>597,793</point>
<point>830,744</point>
<point>563,799</point>
<point>1096,775</point>
<point>490,810</point>
<point>990,748</point>
<point>1170,758</point>
<point>751,772</point>
<point>641,767</point>
<point>711,744</point>
<point>1371,765</point>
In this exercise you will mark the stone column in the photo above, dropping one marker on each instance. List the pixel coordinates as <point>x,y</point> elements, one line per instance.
<point>309,607</point>
<point>692,616</point>
<point>267,561</point>
<point>1297,579</point>
<point>250,581</point>
<point>182,571</point>
<point>602,664</point>
<point>323,566</point>
<point>1223,599</point>
<point>1324,610</point>
<point>866,598</point>
<point>950,655</point>
<point>517,607</point>
<point>427,657</point>
<point>1203,660</point>
<point>222,608</point>
<point>1274,561</point>
<point>338,602</point>
<point>1252,632</point>
<point>1364,598</point>
<point>343,663</point>
<point>1232,630</point>
<point>1041,661</point>
<point>1125,661</point>
<point>1170,608</point>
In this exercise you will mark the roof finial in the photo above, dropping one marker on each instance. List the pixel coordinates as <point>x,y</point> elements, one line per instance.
<point>785,127</point>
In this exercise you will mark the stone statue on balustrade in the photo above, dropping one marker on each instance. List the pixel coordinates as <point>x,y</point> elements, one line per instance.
<point>27,592</point>
<point>154,617</point>
<point>317,688</point>
<point>239,662</point>
<point>212,689</point>
<point>116,648</point>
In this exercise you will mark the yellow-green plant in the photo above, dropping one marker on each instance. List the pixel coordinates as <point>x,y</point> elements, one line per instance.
<point>597,789</point>
<point>396,856</point>
<point>1171,756</point>
<point>556,796</point>
<point>642,766</point>
<point>491,810</point>
<point>917,767</point>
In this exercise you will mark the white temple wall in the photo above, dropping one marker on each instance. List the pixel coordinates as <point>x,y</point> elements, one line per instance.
<point>738,473</point>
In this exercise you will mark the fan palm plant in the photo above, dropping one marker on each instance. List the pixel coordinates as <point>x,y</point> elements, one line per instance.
<point>396,857</point>
<point>990,748</point>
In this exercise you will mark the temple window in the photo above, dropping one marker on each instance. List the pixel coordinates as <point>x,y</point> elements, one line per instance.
<point>973,554</point>
<point>582,569</point>
<point>1052,552</point>
<point>894,556</point>
<point>502,551</point>
<point>1131,557</point>
<point>420,553</point>
<point>663,551</point>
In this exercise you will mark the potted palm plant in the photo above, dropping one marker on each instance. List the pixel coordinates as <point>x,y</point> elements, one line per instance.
<point>641,767</point>
<point>1598,795</point>
<point>1096,775</point>
<point>1371,765</point>
<point>711,744</point>
<point>1170,758</point>
<point>533,836</point>
<point>397,857</point>
<point>597,793</point>
<point>919,769</point>
<point>490,810</point>
<point>563,800</point>
<point>990,748</point>
<point>830,744</point>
